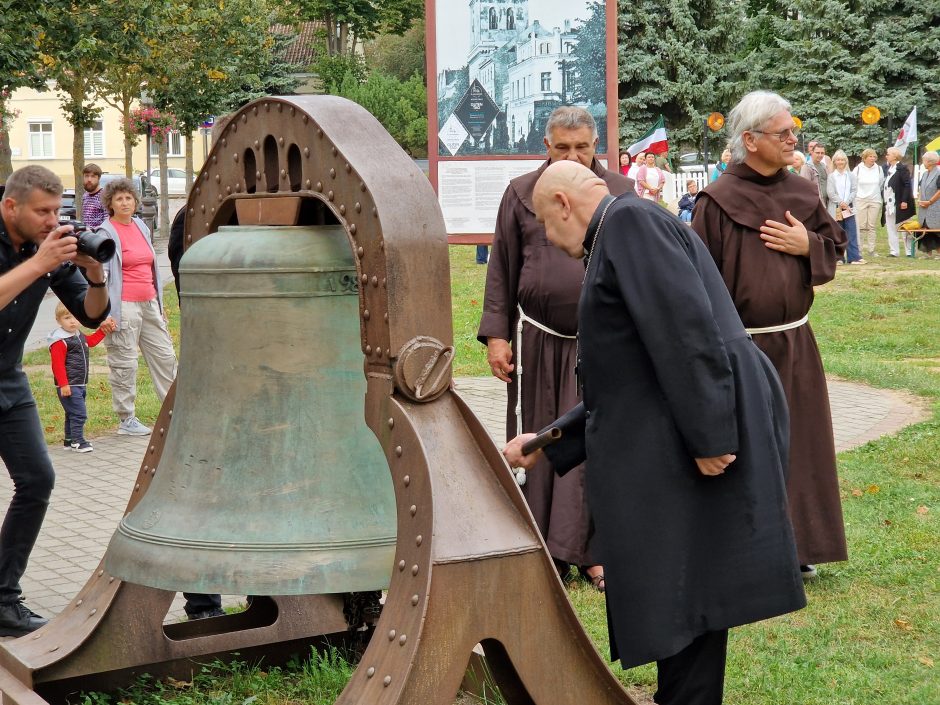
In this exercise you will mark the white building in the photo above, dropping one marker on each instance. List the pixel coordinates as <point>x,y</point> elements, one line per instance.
<point>539,77</point>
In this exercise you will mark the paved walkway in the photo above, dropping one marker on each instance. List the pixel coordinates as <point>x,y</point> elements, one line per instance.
<point>92,489</point>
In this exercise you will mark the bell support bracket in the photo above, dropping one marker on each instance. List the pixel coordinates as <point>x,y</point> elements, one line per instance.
<point>465,536</point>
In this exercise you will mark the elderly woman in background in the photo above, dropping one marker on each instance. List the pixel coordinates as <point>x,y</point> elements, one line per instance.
<point>841,187</point>
<point>898,198</point>
<point>638,161</point>
<point>929,202</point>
<point>136,293</point>
<point>871,183</point>
<point>799,159</point>
<point>721,166</point>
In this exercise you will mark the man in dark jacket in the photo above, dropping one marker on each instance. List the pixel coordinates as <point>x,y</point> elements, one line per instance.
<point>36,254</point>
<point>684,428</point>
<point>528,326</point>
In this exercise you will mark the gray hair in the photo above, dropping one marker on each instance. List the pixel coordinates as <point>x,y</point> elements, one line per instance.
<point>122,185</point>
<point>930,156</point>
<point>22,182</point>
<point>569,117</point>
<point>750,114</point>
<point>840,154</point>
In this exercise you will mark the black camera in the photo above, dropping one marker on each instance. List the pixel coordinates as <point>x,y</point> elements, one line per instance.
<point>91,242</point>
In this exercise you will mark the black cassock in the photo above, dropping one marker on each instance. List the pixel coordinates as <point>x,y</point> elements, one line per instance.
<point>669,375</point>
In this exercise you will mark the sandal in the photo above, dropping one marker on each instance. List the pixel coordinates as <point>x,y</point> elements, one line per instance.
<point>598,582</point>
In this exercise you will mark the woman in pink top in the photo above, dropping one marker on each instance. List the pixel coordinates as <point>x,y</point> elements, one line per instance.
<point>136,294</point>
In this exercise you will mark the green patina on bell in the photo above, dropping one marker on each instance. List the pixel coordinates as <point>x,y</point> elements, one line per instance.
<point>270,482</point>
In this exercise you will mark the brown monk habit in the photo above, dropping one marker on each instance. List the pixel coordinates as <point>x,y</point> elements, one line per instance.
<point>525,270</point>
<point>771,288</point>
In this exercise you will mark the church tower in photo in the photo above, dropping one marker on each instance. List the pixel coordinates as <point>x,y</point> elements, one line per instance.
<point>494,23</point>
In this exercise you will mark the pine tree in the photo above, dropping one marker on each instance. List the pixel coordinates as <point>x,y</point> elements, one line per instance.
<point>901,68</point>
<point>680,59</point>
<point>832,58</point>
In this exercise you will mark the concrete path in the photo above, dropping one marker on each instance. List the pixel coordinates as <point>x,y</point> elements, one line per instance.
<point>92,489</point>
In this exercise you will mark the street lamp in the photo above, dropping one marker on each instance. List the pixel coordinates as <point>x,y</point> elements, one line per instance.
<point>714,122</point>
<point>147,102</point>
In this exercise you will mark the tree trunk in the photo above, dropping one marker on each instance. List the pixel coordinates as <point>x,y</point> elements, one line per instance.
<point>330,35</point>
<point>164,188</point>
<point>128,157</point>
<point>78,161</point>
<point>6,156</point>
<point>343,37</point>
<point>128,144</point>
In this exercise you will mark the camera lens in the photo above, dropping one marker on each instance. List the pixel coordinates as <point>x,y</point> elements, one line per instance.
<point>95,244</point>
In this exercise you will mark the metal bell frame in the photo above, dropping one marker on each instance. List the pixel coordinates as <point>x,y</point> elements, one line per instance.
<point>470,566</point>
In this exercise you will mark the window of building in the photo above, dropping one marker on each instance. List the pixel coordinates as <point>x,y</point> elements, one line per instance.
<point>546,81</point>
<point>510,20</point>
<point>494,21</point>
<point>40,140</point>
<point>175,145</point>
<point>94,140</point>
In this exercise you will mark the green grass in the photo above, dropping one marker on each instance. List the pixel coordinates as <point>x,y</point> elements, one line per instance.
<point>871,632</point>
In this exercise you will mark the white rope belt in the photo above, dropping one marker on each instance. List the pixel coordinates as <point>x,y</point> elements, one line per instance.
<point>781,327</point>
<point>523,318</point>
<point>540,326</point>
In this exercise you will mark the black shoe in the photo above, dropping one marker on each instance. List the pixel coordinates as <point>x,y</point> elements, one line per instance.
<point>205,614</point>
<point>16,619</point>
<point>67,443</point>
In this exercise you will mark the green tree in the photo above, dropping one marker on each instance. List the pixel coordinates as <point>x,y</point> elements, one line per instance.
<point>813,61</point>
<point>401,107</point>
<point>77,43</point>
<point>20,31</point>
<point>900,67</point>
<point>401,56</point>
<point>124,75</point>
<point>351,21</point>
<point>585,77</point>
<point>210,56</point>
<point>831,58</point>
<point>680,59</point>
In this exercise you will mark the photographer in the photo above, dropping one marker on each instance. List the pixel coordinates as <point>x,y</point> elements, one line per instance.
<point>35,254</point>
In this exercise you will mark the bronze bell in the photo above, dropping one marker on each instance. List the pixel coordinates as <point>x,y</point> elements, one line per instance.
<point>270,482</point>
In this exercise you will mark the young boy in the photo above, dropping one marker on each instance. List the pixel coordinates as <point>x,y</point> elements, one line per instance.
<point>68,347</point>
<point>688,201</point>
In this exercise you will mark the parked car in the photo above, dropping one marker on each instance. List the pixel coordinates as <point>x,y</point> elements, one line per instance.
<point>175,181</point>
<point>67,209</point>
<point>692,161</point>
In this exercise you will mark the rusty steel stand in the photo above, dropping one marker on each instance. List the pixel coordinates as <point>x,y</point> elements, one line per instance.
<point>470,566</point>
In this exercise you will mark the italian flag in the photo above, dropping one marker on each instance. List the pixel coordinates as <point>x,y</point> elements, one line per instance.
<point>653,141</point>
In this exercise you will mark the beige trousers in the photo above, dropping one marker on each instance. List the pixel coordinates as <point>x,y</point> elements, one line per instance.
<point>143,328</point>
<point>867,214</point>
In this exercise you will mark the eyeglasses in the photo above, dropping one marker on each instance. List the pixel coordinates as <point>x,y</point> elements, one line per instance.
<point>782,136</point>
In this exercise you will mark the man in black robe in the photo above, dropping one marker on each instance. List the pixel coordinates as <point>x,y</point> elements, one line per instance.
<point>683,426</point>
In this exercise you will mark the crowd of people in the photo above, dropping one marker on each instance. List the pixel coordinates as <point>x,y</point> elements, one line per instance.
<point>859,198</point>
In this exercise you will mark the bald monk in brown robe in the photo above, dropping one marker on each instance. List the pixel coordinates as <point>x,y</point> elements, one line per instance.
<point>526,272</point>
<point>773,241</point>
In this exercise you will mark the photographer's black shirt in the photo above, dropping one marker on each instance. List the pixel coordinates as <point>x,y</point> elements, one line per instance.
<point>17,318</point>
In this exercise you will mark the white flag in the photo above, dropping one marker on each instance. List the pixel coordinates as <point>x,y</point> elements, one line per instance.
<point>908,132</point>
